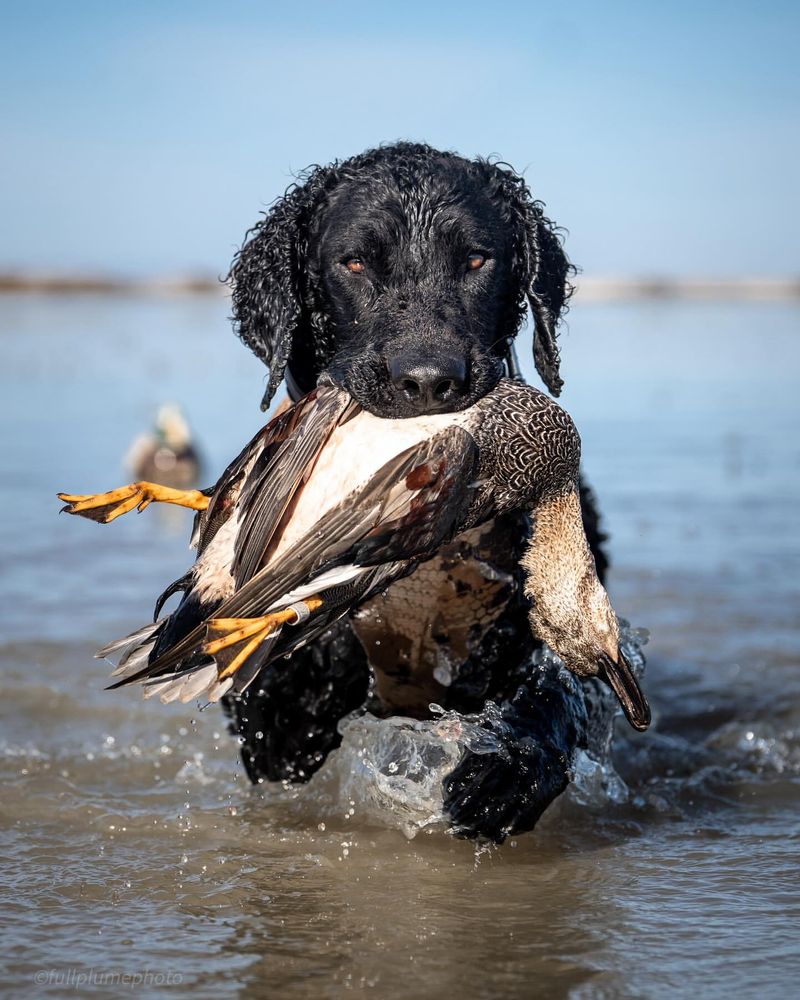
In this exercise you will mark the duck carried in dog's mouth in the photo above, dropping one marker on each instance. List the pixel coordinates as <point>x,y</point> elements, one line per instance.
<point>328,505</point>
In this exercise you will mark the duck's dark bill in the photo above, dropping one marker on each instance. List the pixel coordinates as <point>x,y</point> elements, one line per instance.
<point>625,686</point>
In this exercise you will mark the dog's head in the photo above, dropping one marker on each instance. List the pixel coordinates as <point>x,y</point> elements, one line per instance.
<point>403,273</point>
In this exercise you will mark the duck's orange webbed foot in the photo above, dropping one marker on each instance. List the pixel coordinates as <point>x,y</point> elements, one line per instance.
<point>231,641</point>
<point>105,507</point>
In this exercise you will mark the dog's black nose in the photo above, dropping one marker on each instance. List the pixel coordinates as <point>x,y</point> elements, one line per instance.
<point>429,384</point>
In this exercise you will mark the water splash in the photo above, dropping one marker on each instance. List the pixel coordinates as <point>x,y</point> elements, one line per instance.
<point>391,770</point>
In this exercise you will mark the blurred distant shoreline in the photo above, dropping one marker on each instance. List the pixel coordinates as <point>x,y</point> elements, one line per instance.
<point>589,289</point>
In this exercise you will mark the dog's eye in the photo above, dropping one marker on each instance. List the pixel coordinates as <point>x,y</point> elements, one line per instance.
<point>355,265</point>
<point>474,261</point>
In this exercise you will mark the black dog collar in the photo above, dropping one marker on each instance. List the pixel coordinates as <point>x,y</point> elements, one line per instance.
<point>294,390</point>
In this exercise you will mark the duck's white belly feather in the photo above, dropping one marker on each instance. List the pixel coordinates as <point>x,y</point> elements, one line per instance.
<point>353,454</point>
<point>212,573</point>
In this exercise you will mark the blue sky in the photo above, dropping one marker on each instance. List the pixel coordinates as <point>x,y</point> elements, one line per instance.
<point>145,137</point>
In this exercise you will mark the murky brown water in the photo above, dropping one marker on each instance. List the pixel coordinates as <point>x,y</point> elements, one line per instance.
<point>132,842</point>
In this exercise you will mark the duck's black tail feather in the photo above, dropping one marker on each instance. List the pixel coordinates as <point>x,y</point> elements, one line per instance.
<point>190,613</point>
<point>133,653</point>
<point>181,585</point>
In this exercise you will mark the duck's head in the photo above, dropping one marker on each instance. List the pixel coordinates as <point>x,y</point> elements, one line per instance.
<point>171,427</point>
<point>579,624</point>
<point>570,609</point>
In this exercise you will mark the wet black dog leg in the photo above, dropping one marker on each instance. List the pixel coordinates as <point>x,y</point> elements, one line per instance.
<point>287,721</point>
<point>496,794</point>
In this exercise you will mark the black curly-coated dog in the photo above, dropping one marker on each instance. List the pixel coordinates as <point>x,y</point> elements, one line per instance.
<point>407,273</point>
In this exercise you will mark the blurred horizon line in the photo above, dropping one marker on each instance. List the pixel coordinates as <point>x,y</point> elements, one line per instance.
<point>596,289</point>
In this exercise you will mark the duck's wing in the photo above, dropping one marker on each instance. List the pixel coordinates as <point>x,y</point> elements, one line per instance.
<point>270,460</point>
<point>281,470</point>
<point>261,481</point>
<point>406,511</point>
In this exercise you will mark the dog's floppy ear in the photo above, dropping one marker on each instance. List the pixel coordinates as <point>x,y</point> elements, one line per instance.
<point>540,266</point>
<point>266,294</point>
<point>268,276</point>
<point>548,289</point>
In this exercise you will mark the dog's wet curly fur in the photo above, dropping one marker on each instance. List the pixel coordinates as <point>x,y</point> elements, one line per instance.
<point>414,215</point>
<point>407,273</point>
